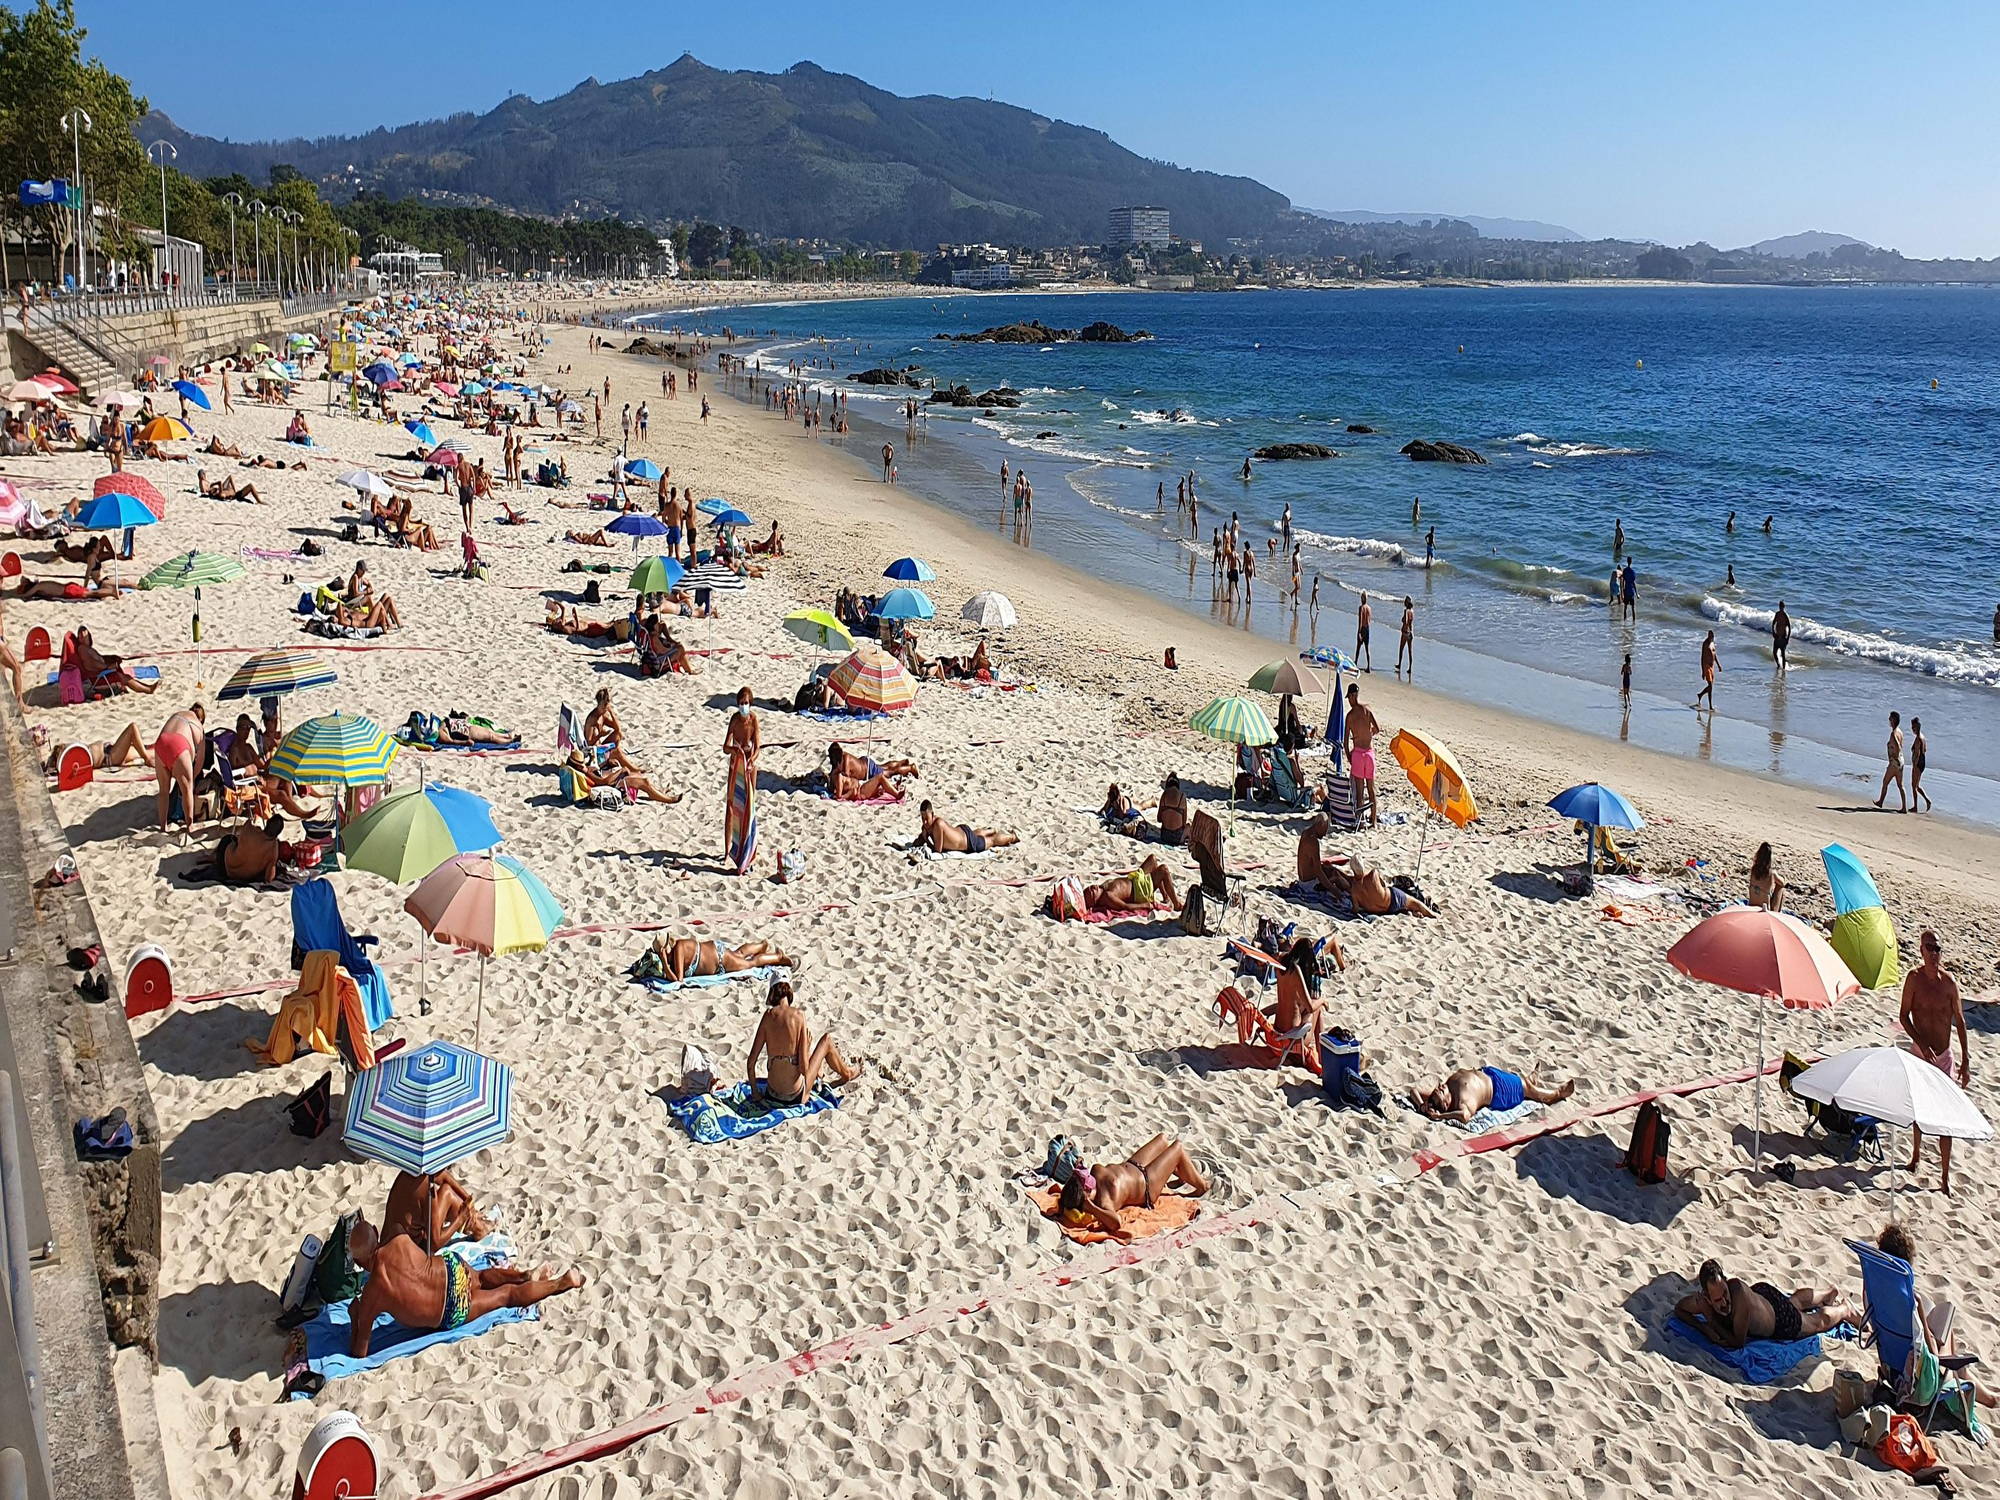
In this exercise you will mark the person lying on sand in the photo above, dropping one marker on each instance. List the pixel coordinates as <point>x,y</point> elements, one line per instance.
<point>1142,890</point>
<point>261,462</point>
<point>795,1061</point>
<point>1731,1314</point>
<point>129,745</point>
<point>1466,1092</point>
<point>226,488</point>
<point>616,775</point>
<point>377,614</point>
<point>959,838</point>
<point>845,765</point>
<point>459,728</point>
<point>98,587</point>
<point>1124,815</point>
<point>216,448</point>
<point>1345,875</point>
<point>248,855</point>
<point>771,546</point>
<point>684,955</point>
<point>434,1208</point>
<point>96,549</point>
<point>560,623</point>
<point>1097,1194</point>
<point>424,1291</point>
<point>595,538</point>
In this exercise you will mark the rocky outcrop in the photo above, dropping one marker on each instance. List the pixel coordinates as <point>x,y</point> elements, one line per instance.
<point>1424,451</point>
<point>647,347</point>
<point>1359,427</point>
<point>961,395</point>
<point>1274,452</point>
<point>1037,332</point>
<point>888,377</point>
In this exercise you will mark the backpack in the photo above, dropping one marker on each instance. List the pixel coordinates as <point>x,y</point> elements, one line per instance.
<point>1194,913</point>
<point>591,593</point>
<point>1062,1161</point>
<point>312,1111</point>
<point>1646,1156</point>
<point>335,1277</point>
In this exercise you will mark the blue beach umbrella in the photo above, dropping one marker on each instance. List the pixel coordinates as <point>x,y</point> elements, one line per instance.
<point>732,517</point>
<point>906,604</point>
<point>642,468</point>
<point>422,432</point>
<point>714,505</point>
<point>472,388</point>
<point>656,575</point>
<point>1862,935</point>
<point>113,511</point>
<point>909,570</point>
<point>380,373</point>
<point>1336,712</point>
<point>1595,806</point>
<point>193,393</point>
<point>637,524</point>
<point>429,1106</point>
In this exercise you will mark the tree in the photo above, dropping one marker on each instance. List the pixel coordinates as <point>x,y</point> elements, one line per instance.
<point>706,245</point>
<point>1662,264</point>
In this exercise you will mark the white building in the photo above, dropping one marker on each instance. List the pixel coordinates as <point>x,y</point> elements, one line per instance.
<point>405,264</point>
<point>999,273</point>
<point>667,264</point>
<point>1144,225</point>
<point>181,258</point>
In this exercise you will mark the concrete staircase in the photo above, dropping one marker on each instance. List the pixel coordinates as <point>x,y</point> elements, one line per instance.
<point>60,346</point>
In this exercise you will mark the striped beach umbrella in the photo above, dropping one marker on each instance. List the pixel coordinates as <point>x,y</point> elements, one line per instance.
<point>283,670</point>
<point>348,749</point>
<point>490,903</point>
<point>193,570</point>
<point>429,1106</point>
<point>1234,721</point>
<point>717,577</point>
<point>136,485</point>
<point>872,680</point>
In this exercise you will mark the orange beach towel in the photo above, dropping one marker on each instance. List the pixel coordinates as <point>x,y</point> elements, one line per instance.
<point>1175,1211</point>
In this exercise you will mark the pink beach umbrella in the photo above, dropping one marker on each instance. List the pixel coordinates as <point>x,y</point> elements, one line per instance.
<point>490,903</point>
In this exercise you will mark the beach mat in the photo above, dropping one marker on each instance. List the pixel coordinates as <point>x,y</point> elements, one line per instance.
<point>709,981</point>
<point>326,1336</point>
<point>736,1113</point>
<point>1174,1211</point>
<point>1759,1362</point>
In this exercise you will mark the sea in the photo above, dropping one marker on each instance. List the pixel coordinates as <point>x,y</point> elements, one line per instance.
<point>1851,432</point>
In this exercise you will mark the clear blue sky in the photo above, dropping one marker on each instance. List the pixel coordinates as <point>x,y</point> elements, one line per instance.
<point>1676,121</point>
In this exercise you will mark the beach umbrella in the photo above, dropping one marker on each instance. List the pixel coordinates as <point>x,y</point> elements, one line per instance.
<point>193,570</point>
<point>271,369</point>
<point>656,575</point>
<point>348,749</point>
<point>125,400</point>
<point>642,468</point>
<point>820,630</point>
<point>1234,721</point>
<point>445,455</point>
<point>990,611</point>
<point>489,903</point>
<point>421,431</point>
<point>365,482</point>
<point>1894,1087</point>
<point>260,348</point>
<point>906,604</point>
<point>1595,806</point>
<point>269,674</point>
<point>1287,679</point>
<point>1336,708</point>
<point>870,679</point>
<point>114,511</point>
<point>164,430</point>
<point>428,1106</point>
<point>637,524</point>
<point>909,570</point>
<point>714,505</point>
<point>380,373</point>
<point>714,578</point>
<point>1433,771</point>
<point>1862,935</point>
<point>444,386</point>
<point>410,832</point>
<point>14,505</point>
<point>136,485</point>
<point>31,391</point>
<point>56,381</point>
<point>1769,954</point>
<point>732,517</point>
<point>193,393</point>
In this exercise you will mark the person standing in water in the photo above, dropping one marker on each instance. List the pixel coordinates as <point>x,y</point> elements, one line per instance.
<point>1630,578</point>
<point>1781,637</point>
<point>1729,526</point>
<point>1416,511</point>
<point>1894,770</point>
<point>1617,538</point>
<point>1407,640</point>
<point>1430,546</point>
<point>1285,523</point>
<point>1919,752</point>
<point>1361,618</point>
<point>1710,665</point>
<point>1246,468</point>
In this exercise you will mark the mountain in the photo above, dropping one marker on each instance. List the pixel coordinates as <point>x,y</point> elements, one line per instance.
<point>1492,229</point>
<point>1812,242</point>
<point>803,154</point>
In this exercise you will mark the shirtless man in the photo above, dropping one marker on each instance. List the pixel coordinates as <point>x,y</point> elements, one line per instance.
<point>1407,640</point>
<point>1140,1181</point>
<point>247,855</point>
<point>958,838</point>
<point>688,956</point>
<point>1362,617</point>
<point>1781,637</point>
<point>1466,1092</point>
<point>424,1291</point>
<point>1369,892</point>
<point>857,778</point>
<point>1930,1012</point>
<point>435,1208</point>
<point>226,488</point>
<point>1360,746</point>
<point>794,1061</point>
<point>1894,770</point>
<point>603,733</point>
<point>1139,891</point>
<point>1311,865</point>
<point>1731,1314</point>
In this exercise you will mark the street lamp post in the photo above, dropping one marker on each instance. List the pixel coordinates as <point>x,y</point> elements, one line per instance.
<point>168,153</point>
<point>77,123</point>
<point>235,201</point>
<point>258,208</point>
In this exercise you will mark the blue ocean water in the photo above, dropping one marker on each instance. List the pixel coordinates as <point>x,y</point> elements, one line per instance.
<point>1864,422</point>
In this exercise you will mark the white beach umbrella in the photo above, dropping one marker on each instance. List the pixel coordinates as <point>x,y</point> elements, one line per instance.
<point>1894,1087</point>
<point>989,611</point>
<point>366,483</point>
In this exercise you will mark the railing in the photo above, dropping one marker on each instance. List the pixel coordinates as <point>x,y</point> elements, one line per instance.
<point>24,1460</point>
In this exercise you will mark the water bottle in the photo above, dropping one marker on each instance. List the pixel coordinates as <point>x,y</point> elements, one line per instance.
<point>303,1266</point>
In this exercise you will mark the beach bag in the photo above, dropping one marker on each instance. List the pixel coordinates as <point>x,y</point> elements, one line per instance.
<point>791,866</point>
<point>1359,1091</point>
<point>1066,900</point>
<point>1062,1161</point>
<point>697,1072</point>
<point>1905,1448</point>
<point>312,1111</point>
<point>1194,914</point>
<point>1646,1156</point>
<point>1171,663</point>
<point>335,1276</point>
<point>591,593</point>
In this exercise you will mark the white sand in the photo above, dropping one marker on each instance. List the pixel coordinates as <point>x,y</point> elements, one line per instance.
<point>1494,1326</point>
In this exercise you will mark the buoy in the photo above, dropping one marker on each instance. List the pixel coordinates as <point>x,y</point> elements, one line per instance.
<point>337,1461</point>
<point>1639,364</point>
<point>73,768</point>
<point>1933,385</point>
<point>38,647</point>
<point>149,984</point>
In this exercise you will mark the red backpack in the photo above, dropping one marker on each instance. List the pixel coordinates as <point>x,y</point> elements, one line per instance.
<point>1646,1157</point>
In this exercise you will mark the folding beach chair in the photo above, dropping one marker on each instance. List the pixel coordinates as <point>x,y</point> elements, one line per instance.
<point>1861,1132</point>
<point>1206,844</point>
<point>1343,804</point>
<point>316,925</point>
<point>1287,784</point>
<point>1889,1310</point>
<point>1254,1028</point>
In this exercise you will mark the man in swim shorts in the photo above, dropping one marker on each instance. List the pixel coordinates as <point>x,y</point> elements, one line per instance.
<point>424,1291</point>
<point>1466,1092</point>
<point>1361,731</point>
<point>1731,1313</point>
<point>1140,890</point>
<point>958,838</point>
<point>1931,1011</point>
<point>1362,617</point>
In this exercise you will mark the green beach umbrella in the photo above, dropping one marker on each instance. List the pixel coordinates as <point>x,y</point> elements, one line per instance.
<point>192,570</point>
<point>819,630</point>
<point>656,575</point>
<point>1234,721</point>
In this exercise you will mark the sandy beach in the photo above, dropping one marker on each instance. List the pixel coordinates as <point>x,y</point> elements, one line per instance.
<point>1338,1322</point>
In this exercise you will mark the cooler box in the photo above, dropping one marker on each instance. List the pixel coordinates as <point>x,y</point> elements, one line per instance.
<point>1336,1060</point>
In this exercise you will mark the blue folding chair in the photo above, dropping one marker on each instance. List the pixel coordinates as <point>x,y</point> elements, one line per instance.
<point>316,926</point>
<point>1889,1307</point>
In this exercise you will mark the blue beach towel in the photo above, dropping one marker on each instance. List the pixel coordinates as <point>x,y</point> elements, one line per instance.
<point>1492,1119</point>
<point>843,716</point>
<point>1761,1361</point>
<point>734,1114</point>
<point>327,1335</point>
<point>708,981</point>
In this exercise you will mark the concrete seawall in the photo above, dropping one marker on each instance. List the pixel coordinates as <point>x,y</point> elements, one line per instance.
<point>184,335</point>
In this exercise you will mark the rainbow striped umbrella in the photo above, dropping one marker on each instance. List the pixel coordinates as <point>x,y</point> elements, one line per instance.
<point>491,903</point>
<point>349,749</point>
<point>870,680</point>
<point>429,1106</point>
<point>283,670</point>
<point>193,570</point>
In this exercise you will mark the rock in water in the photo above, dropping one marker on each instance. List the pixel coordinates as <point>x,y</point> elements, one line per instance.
<point>1037,332</point>
<point>1359,427</point>
<point>1275,451</point>
<point>888,377</point>
<point>1426,452</point>
<point>961,395</point>
<point>648,347</point>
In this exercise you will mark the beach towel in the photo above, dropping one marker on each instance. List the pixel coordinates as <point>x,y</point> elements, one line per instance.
<point>325,1338</point>
<point>660,986</point>
<point>1306,893</point>
<point>143,674</point>
<point>1173,1211</point>
<point>1761,1361</point>
<point>1490,1118</point>
<point>917,846</point>
<point>740,1111</point>
<point>1104,918</point>
<point>739,824</point>
<point>1624,889</point>
<point>841,716</point>
<point>885,800</point>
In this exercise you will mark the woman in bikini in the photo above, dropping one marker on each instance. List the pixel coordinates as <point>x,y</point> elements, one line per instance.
<point>795,1061</point>
<point>1097,1194</point>
<point>177,755</point>
<point>226,488</point>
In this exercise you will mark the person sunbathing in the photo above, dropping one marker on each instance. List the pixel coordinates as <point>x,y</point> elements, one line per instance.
<point>1370,893</point>
<point>1466,1092</point>
<point>98,547</point>
<point>1939,1320</point>
<point>1122,815</point>
<point>511,516</point>
<point>434,1208</point>
<point>958,838</point>
<point>595,538</point>
<point>662,644</point>
<point>376,614</point>
<point>616,776</point>
<point>461,729</point>
<point>249,855</point>
<point>424,1291</point>
<point>226,488</point>
<point>1312,863</point>
<point>1172,811</point>
<point>771,546</point>
<point>844,763</point>
<point>604,735</point>
<point>1142,890</point>
<point>795,1061</point>
<point>1730,1313</point>
<point>216,448</point>
<point>559,622</point>
<point>261,462</point>
<point>1096,1194</point>
<point>99,587</point>
<point>417,533</point>
<point>129,745</point>
<point>686,956</point>
<point>96,666</point>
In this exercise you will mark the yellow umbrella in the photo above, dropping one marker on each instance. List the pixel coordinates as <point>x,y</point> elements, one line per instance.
<point>165,430</point>
<point>1433,770</point>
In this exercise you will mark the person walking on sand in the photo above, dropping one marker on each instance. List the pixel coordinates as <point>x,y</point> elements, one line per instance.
<point>1919,753</point>
<point>1407,639</point>
<point>1710,665</point>
<point>741,743</point>
<point>1894,770</point>
<point>1625,682</point>
<point>1360,747</point>
<point>1361,618</point>
<point>1781,637</point>
<point>1931,1011</point>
